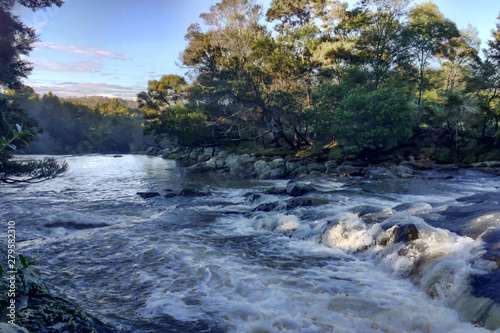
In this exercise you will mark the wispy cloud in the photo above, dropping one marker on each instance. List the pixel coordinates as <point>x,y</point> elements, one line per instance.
<point>77,89</point>
<point>72,49</point>
<point>66,66</point>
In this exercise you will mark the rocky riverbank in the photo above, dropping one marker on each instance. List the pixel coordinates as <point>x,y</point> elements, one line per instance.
<point>36,310</point>
<point>216,159</point>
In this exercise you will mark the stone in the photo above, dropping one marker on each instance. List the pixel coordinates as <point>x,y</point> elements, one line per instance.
<point>346,170</point>
<point>266,207</point>
<point>7,328</point>
<point>330,167</point>
<point>262,169</point>
<point>148,195</point>
<point>254,197</point>
<point>379,174</point>
<point>488,164</point>
<point>402,171</point>
<point>209,151</point>
<point>275,190</point>
<point>405,233</point>
<point>43,312</point>
<point>316,167</point>
<point>277,163</point>
<point>298,202</point>
<point>152,151</point>
<point>191,192</point>
<point>365,209</point>
<point>298,189</point>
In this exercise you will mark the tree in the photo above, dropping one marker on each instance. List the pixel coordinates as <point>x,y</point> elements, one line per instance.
<point>372,120</point>
<point>430,34</point>
<point>16,40</point>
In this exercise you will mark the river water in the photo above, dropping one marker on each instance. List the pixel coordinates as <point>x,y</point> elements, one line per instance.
<point>211,264</point>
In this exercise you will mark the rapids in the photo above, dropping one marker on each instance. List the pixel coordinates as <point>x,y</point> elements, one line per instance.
<point>212,264</point>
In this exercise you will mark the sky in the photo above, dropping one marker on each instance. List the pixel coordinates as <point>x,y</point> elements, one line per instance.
<point>114,47</point>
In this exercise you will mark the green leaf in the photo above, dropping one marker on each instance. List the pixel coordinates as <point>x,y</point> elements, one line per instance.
<point>19,128</point>
<point>22,259</point>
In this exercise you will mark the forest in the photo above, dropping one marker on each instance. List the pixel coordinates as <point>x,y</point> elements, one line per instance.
<point>317,77</point>
<point>382,79</point>
<point>82,125</point>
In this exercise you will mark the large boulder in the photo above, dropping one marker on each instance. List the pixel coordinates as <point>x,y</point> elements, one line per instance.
<point>152,151</point>
<point>296,168</point>
<point>148,195</point>
<point>330,167</point>
<point>262,169</point>
<point>298,189</point>
<point>240,165</point>
<point>298,202</point>
<point>402,171</point>
<point>189,191</point>
<point>346,170</point>
<point>41,311</point>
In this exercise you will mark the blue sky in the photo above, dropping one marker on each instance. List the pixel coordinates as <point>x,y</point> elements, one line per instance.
<point>113,47</point>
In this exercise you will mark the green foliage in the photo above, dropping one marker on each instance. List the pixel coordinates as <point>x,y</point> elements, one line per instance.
<point>372,120</point>
<point>70,127</point>
<point>26,261</point>
<point>16,41</point>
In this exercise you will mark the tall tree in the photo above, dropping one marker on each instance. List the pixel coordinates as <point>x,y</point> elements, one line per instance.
<point>430,34</point>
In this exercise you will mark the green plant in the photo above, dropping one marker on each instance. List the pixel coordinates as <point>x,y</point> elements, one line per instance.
<point>26,261</point>
<point>17,133</point>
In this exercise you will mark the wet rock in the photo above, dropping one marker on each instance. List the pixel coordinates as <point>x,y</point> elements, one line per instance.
<point>170,195</point>
<point>346,170</point>
<point>262,169</point>
<point>117,155</point>
<point>405,233</point>
<point>7,328</point>
<point>275,190</point>
<point>267,207</point>
<point>488,164</point>
<point>413,207</point>
<point>379,174</point>
<point>316,168</point>
<point>365,209</point>
<point>401,234</point>
<point>148,195</point>
<point>42,312</point>
<point>298,189</point>
<point>191,192</point>
<point>402,171</point>
<point>152,151</point>
<point>240,165</point>
<point>298,202</point>
<point>480,198</point>
<point>277,163</point>
<point>330,167</point>
<point>254,197</point>
<point>296,168</point>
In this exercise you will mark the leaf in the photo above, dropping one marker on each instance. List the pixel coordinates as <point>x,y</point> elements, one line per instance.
<point>13,147</point>
<point>22,259</point>
<point>19,128</point>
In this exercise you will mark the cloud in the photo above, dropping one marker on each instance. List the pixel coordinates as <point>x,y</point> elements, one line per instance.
<point>72,49</point>
<point>76,89</point>
<point>66,66</point>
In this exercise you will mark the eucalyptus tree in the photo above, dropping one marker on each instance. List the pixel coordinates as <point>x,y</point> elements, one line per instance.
<point>229,55</point>
<point>381,47</point>
<point>430,34</point>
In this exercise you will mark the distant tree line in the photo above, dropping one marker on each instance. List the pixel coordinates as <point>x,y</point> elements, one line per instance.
<point>357,81</point>
<point>74,127</point>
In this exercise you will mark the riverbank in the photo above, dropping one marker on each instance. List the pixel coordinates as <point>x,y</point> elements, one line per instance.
<point>34,308</point>
<point>226,164</point>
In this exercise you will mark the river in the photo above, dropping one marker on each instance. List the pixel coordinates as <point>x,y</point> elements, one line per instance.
<point>211,264</point>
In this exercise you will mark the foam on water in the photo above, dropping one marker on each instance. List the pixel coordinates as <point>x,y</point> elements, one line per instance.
<point>333,267</point>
